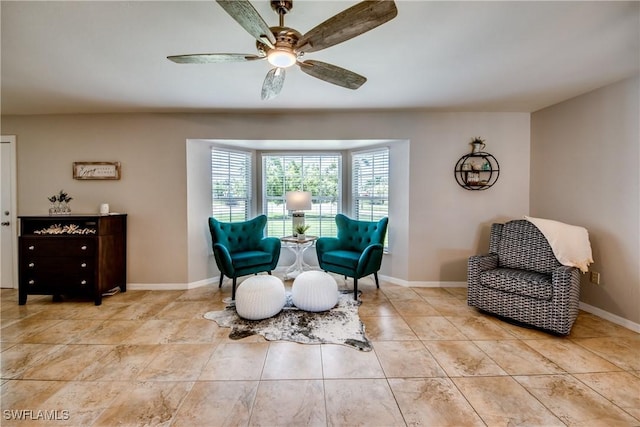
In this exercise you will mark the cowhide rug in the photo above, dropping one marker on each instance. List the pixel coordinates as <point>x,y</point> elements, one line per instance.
<point>340,325</point>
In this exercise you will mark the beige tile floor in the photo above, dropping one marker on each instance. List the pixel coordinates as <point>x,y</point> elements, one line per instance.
<point>149,358</point>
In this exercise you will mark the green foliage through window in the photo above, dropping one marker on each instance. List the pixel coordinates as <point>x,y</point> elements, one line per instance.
<point>317,173</point>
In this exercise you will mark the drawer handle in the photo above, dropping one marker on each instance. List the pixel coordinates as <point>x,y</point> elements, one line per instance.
<point>31,265</point>
<point>31,247</point>
<point>83,247</point>
<point>83,265</point>
<point>31,282</point>
<point>83,282</point>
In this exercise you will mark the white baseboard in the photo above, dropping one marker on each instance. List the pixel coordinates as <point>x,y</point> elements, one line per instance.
<point>171,286</point>
<point>205,282</point>
<point>406,283</point>
<point>156,286</point>
<point>423,284</point>
<point>635,327</point>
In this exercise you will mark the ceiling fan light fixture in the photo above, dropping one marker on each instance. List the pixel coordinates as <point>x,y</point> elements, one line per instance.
<point>281,58</point>
<point>283,46</point>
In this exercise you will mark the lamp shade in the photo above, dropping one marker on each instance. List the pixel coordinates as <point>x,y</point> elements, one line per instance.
<point>298,200</point>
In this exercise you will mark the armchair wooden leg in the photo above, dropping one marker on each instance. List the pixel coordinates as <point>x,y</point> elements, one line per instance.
<point>233,290</point>
<point>376,276</point>
<point>221,277</point>
<point>269,272</point>
<point>355,289</point>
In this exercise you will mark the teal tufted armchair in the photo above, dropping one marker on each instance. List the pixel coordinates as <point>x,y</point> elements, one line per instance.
<point>240,248</point>
<point>356,252</point>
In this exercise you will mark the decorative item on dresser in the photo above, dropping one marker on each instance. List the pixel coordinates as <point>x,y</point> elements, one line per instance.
<point>81,254</point>
<point>60,203</point>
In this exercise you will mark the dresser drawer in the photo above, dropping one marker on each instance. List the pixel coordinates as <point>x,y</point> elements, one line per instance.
<point>59,247</point>
<point>58,265</point>
<point>46,283</point>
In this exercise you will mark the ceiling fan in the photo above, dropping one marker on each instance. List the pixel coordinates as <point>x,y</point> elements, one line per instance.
<point>283,47</point>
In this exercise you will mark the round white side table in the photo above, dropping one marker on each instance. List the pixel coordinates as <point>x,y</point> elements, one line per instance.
<point>297,246</point>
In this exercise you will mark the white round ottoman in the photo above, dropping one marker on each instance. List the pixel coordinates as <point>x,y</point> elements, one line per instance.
<point>260,297</point>
<point>314,291</point>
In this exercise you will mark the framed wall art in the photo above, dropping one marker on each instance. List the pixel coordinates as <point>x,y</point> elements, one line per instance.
<point>96,170</point>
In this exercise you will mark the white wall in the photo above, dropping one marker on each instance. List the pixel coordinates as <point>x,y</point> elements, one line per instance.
<point>445,223</point>
<point>201,264</point>
<point>585,157</point>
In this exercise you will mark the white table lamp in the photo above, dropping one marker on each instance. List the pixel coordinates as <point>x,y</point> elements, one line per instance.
<point>297,202</point>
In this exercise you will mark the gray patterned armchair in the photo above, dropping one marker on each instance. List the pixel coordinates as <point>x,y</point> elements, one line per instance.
<point>521,279</point>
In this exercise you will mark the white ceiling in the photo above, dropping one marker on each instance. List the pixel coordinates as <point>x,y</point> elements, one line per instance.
<point>86,56</point>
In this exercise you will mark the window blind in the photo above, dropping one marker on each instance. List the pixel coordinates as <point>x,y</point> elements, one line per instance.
<point>230,184</point>
<point>319,174</point>
<point>370,184</point>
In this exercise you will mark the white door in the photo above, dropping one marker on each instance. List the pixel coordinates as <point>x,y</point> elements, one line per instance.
<point>8,218</point>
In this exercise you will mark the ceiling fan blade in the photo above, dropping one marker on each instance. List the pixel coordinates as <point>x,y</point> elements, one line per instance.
<point>348,24</point>
<point>209,58</point>
<point>273,83</point>
<point>246,15</point>
<point>332,74</point>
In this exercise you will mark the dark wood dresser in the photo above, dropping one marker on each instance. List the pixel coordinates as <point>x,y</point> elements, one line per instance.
<point>76,255</point>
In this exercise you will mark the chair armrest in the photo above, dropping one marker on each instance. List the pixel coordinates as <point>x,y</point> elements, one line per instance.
<point>564,278</point>
<point>270,244</point>
<point>483,262</point>
<point>565,269</point>
<point>479,263</point>
<point>326,244</point>
<point>223,259</point>
<point>370,259</point>
<point>273,246</point>
<point>566,296</point>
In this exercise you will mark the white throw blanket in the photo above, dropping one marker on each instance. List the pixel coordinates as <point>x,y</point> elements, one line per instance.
<point>570,243</point>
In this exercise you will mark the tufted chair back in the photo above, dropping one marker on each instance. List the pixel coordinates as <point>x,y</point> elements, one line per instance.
<point>357,235</point>
<point>238,236</point>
